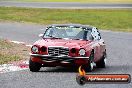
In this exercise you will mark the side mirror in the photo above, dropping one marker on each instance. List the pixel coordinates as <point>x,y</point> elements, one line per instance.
<point>40,35</point>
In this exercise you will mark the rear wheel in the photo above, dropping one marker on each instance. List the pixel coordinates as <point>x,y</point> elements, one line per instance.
<point>102,62</point>
<point>33,66</point>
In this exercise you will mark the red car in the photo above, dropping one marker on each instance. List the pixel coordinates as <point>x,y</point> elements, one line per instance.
<point>68,45</point>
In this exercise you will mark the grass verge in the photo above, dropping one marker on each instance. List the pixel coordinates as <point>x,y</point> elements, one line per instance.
<point>88,1</point>
<point>12,52</point>
<point>108,19</point>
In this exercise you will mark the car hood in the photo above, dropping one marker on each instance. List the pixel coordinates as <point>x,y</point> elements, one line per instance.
<point>61,42</point>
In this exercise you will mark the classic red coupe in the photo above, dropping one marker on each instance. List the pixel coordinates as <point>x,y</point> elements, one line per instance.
<point>68,45</point>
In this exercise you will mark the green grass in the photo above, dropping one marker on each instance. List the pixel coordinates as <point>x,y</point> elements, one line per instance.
<point>88,1</point>
<point>4,58</point>
<point>108,19</point>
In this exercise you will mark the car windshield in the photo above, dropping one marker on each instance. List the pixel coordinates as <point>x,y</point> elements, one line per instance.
<point>65,32</point>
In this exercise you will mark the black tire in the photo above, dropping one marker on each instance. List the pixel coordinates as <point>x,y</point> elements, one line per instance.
<point>101,63</point>
<point>33,66</point>
<point>89,66</point>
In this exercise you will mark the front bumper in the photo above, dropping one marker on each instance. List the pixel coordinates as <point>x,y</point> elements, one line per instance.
<point>60,59</point>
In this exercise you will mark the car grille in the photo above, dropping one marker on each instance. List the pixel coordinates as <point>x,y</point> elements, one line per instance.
<point>58,51</point>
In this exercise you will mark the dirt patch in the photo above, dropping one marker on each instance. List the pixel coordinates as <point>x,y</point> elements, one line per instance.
<point>12,52</point>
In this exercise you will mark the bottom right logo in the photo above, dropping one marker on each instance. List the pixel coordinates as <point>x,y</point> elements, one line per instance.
<point>83,78</point>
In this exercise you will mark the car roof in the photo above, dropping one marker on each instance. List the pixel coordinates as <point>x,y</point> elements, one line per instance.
<point>75,25</point>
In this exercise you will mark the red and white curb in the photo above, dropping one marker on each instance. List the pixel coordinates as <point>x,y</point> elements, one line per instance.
<point>15,66</point>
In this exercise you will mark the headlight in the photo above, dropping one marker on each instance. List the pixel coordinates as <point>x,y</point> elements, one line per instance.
<point>35,49</point>
<point>82,52</point>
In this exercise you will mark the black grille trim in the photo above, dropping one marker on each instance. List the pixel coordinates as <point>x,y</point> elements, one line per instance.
<point>58,51</point>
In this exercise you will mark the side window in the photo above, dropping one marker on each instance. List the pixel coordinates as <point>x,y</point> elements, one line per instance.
<point>89,35</point>
<point>96,34</point>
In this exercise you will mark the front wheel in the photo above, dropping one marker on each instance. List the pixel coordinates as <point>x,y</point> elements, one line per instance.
<point>89,67</point>
<point>33,66</point>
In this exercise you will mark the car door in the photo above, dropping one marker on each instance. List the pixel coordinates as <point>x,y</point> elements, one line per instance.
<point>102,44</point>
<point>102,47</point>
<point>97,44</point>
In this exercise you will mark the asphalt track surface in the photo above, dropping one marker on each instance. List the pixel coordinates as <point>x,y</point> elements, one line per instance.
<point>66,5</point>
<point>119,61</point>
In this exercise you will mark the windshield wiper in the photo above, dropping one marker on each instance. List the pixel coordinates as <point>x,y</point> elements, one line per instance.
<point>77,39</point>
